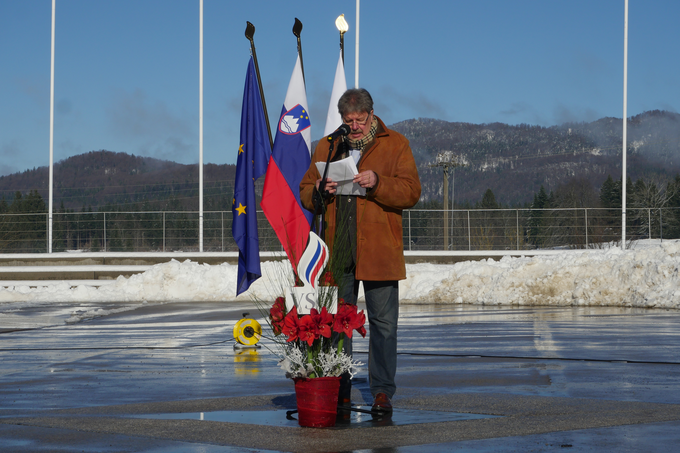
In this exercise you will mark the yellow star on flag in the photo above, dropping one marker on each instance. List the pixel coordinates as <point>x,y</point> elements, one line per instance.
<point>240,148</point>
<point>241,209</point>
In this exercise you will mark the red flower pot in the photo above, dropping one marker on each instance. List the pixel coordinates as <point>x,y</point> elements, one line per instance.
<point>317,401</point>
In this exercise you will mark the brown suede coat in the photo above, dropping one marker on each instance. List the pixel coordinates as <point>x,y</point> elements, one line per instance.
<point>380,247</point>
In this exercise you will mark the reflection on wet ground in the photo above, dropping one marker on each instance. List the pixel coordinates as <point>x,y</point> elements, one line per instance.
<point>183,352</point>
<point>345,420</point>
<point>186,349</point>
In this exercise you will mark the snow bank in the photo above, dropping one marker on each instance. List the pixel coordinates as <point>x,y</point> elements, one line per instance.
<point>646,276</point>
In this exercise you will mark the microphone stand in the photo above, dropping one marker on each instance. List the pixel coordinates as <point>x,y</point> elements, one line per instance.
<point>321,194</point>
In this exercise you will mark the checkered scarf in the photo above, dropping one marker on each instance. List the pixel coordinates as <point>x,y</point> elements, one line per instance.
<point>361,144</point>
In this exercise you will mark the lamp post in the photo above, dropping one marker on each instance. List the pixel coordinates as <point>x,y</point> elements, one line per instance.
<point>447,159</point>
<point>342,27</point>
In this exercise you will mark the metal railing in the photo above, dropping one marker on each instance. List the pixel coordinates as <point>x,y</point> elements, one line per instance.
<point>472,229</point>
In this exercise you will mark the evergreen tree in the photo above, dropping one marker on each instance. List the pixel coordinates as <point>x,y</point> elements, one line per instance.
<point>489,200</point>
<point>537,233</point>
<point>610,193</point>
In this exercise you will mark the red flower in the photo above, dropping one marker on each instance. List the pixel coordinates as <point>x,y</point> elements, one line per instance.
<point>328,280</point>
<point>308,330</point>
<point>291,325</point>
<point>323,321</point>
<point>348,319</point>
<point>276,314</point>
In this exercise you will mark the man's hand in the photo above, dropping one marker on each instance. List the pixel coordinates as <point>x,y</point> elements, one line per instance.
<point>366,179</point>
<point>331,187</point>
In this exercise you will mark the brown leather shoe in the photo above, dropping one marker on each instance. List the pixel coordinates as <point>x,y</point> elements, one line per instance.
<point>382,403</point>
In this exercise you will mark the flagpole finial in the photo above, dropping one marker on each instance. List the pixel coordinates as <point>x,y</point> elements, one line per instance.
<point>342,26</point>
<point>297,29</point>
<point>250,31</point>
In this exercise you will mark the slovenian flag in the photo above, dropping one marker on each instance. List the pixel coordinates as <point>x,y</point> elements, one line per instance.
<point>253,156</point>
<point>288,164</point>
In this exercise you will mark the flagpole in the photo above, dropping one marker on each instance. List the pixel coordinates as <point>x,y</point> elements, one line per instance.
<point>625,126</point>
<point>250,32</point>
<point>297,29</point>
<point>51,172</point>
<point>356,51</point>
<point>200,131</point>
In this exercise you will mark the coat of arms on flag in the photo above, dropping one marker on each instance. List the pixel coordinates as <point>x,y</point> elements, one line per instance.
<point>294,120</point>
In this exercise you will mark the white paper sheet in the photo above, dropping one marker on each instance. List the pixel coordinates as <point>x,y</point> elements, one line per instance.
<point>343,172</point>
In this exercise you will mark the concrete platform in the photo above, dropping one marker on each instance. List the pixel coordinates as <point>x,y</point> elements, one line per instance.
<point>587,379</point>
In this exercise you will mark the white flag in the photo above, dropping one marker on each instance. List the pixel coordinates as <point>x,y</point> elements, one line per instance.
<point>333,119</point>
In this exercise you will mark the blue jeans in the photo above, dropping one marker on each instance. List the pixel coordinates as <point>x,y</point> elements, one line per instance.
<point>382,305</point>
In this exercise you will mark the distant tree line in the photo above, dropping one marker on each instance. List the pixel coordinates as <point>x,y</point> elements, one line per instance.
<point>575,214</point>
<point>146,225</point>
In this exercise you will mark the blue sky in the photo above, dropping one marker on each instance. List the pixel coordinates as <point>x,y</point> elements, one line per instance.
<point>127,76</point>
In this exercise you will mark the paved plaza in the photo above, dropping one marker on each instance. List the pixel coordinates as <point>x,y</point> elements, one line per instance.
<point>469,379</point>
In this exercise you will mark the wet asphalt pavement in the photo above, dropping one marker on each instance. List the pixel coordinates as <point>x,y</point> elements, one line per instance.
<point>555,379</point>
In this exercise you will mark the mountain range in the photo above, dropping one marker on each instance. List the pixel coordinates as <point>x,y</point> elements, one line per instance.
<point>514,161</point>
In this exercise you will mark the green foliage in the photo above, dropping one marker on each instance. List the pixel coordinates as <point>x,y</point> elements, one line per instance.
<point>24,231</point>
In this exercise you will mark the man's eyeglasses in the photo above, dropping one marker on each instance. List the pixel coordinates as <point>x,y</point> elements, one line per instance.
<point>354,123</point>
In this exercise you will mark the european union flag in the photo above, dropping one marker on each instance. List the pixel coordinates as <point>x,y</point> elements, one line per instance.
<point>253,156</point>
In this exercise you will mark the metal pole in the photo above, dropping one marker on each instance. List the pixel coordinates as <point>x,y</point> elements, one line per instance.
<point>200,132</point>
<point>446,207</point>
<point>297,29</point>
<point>453,200</point>
<point>625,126</point>
<point>586,211</point>
<point>356,51</point>
<point>250,32</point>
<point>409,230</point>
<point>517,216</point>
<point>469,232</point>
<point>342,47</point>
<point>649,222</point>
<point>104,232</point>
<point>164,231</point>
<point>51,172</point>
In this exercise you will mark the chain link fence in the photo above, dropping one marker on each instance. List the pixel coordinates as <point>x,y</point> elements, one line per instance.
<point>427,230</point>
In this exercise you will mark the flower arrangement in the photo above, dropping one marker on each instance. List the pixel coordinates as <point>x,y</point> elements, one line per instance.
<point>314,341</point>
<point>310,323</point>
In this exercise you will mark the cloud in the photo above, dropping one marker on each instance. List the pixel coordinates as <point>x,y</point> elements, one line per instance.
<point>7,169</point>
<point>522,112</point>
<point>667,107</point>
<point>172,148</point>
<point>590,63</point>
<point>151,127</point>
<point>393,103</point>
<point>63,107</point>
<point>9,152</point>
<point>34,90</point>
<point>563,114</point>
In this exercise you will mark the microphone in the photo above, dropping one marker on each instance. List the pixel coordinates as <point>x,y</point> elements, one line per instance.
<point>342,131</point>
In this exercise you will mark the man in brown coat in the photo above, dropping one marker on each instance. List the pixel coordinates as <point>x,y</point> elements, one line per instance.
<point>369,229</point>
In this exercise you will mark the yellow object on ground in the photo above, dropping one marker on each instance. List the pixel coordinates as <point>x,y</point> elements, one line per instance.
<point>247,331</point>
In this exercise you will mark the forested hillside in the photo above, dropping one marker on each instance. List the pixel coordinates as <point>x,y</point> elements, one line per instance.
<point>514,161</point>
<point>119,181</point>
